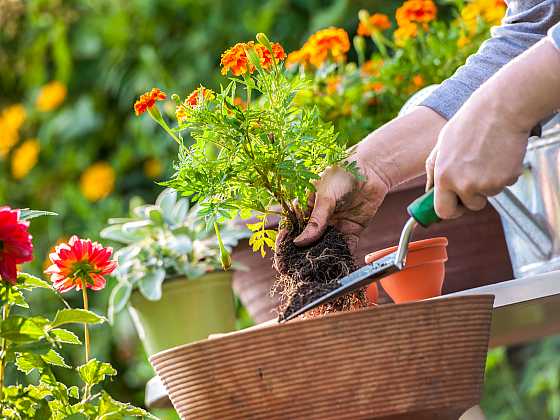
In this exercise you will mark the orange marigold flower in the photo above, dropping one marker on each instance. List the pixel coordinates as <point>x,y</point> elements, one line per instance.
<point>328,43</point>
<point>148,100</point>
<point>238,101</point>
<point>416,11</point>
<point>333,83</point>
<point>404,33</point>
<point>198,93</point>
<point>418,81</point>
<point>463,41</point>
<point>331,43</point>
<point>296,57</point>
<point>372,67</point>
<point>375,22</point>
<point>192,101</point>
<point>235,58</point>
<point>376,87</point>
<point>266,55</point>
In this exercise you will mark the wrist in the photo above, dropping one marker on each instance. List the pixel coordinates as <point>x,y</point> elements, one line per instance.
<point>397,151</point>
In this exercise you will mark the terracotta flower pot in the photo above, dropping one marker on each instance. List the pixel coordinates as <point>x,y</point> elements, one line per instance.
<point>423,275</point>
<point>430,358</point>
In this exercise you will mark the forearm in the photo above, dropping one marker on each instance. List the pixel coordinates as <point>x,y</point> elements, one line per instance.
<point>398,150</point>
<point>527,90</point>
<point>526,23</point>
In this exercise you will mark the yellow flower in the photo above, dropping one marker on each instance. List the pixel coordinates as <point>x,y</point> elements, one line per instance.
<point>51,96</point>
<point>98,181</point>
<point>491,11</point>
<point>404,33</point>
<point>463,41</point>
<point>25,158</point>
<point>11,120</point>
<point>153,168</point>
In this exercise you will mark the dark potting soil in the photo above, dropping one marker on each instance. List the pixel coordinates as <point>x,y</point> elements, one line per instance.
<point>309,272</point>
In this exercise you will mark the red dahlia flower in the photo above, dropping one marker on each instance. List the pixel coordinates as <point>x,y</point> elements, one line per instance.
<point>80,263</point>
<point>15,244</point>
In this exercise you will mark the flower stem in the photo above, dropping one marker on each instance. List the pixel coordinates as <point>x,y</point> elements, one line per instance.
<point>86,331</point>
<point>3,350</point>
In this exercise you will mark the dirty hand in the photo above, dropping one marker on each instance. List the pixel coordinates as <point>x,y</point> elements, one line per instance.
<point>480,150</point>
<point>344,202</point>
<point>390,155</point>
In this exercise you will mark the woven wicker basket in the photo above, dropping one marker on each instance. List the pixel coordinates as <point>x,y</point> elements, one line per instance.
<point>416,360</point>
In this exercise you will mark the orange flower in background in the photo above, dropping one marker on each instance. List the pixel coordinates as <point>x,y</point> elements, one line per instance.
<point>238,101</point>
<point>372,67</point>
<point>148,100</point>
<point>51,96</point>
<point>11,120</point>
<point>376,87</point>
<point>25,158</point>
<point>153,168</point>
<point>463,41</point>
<point>296,57</point>
<point>80,264</point>
<point>333,83</point>
<point>416,11</point>
<point>404,33</point>
<point>331,43</point>
<point>375,22</point>
<point>98,181</point>
<point>490,11</point>
<point>418,81</point>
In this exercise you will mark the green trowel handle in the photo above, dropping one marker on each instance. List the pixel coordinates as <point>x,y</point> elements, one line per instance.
<point>423,211</point>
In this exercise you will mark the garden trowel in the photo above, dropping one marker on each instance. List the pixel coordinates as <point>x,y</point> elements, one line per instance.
<point>421,213</point>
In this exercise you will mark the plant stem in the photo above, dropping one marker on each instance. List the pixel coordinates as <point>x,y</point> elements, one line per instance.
<point>3,350</point>
<point>86,331</point>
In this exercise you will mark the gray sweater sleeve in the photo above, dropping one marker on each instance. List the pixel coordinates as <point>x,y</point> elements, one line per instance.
<point>525,23</point>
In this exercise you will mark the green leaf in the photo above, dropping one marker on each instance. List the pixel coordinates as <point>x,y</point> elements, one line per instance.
<point>30,282</point>
<point>27,362</point>
<point>21,330</point>
<point>61,335</point>
<point>27,214</point>
<point>94,372</point>
<point>73,316</point>
<point>150,284</point>
<point>74,392</point>
<point>55,359</point>
<point>111,409</point>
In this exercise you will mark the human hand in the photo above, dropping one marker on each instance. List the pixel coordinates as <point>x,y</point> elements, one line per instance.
<point>478,154</point>
<point>480,151</point>
<point>389,156</point>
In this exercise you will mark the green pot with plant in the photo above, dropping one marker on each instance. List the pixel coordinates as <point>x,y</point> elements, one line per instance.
<point>269,153</point>
<point>170,272</point>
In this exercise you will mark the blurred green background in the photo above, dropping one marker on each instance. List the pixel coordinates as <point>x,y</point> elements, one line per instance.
<point>106,53</point>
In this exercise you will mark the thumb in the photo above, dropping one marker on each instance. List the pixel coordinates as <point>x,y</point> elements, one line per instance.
<point>322,211</point>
